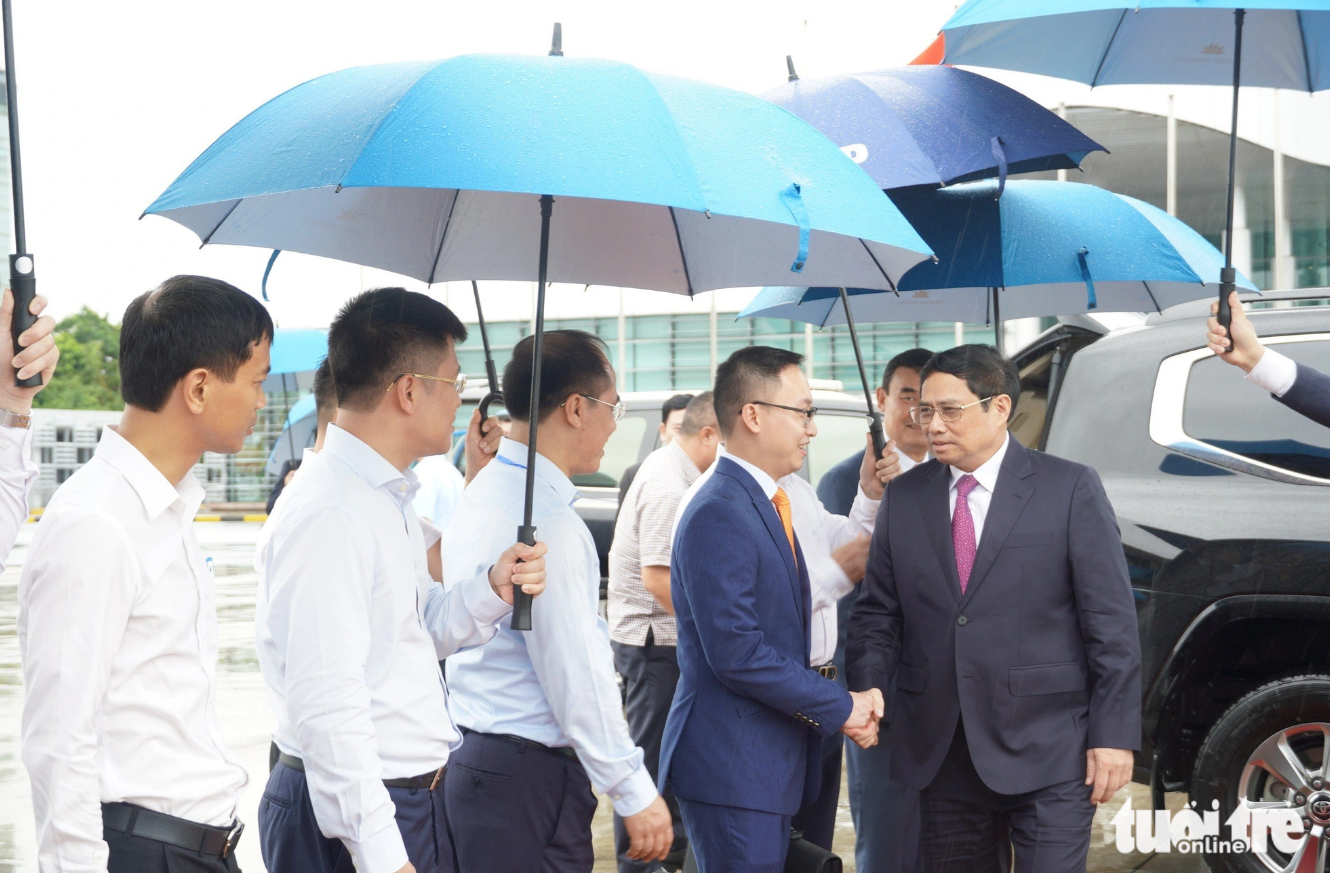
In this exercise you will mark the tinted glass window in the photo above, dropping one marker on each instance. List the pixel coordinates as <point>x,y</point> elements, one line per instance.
<point>1225,410</point>
<point>620,452</point>
<point>839,435</point>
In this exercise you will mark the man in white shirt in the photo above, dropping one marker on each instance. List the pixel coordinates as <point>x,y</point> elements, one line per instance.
<point>440,489</point>
<point>350,627</point>
<point>17,470</point>
<point>117,626</point>
<point>1297,386</point>
<point>540,709</point>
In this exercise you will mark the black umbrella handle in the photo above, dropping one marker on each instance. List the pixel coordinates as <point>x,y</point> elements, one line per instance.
<point>23,282</point>
<point>879,435</point>
<point>1228,277</point>
<point>492,397</point>
<point>521,620</point>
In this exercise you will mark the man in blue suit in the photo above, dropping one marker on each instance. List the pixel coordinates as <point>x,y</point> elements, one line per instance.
<point>997,598</point>
<point>1295,385</point>
<point>742,744</point>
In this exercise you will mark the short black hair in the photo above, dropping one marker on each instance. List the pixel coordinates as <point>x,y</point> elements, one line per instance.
<point>382,333</point>
<point>674,404</point>
<point>186,323</point>
<point>911,359</point>
<point>748,375</point>
<point>325,391</point>
<point>572,362</point>
<point>986,371</point>
<point>699,413</point>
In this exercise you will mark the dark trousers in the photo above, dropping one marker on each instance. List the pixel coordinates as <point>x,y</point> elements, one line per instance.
<point>650,672</point>
<point>965,822</point>
<point>727,839</point>
<point>134,854</point>
<point>885,813</point>
<point>816,819</point>
<point>291,841</point>
<point>518,808</point>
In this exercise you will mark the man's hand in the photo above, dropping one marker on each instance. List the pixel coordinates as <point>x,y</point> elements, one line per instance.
<point>480,450</point>
<point>875,473</point>
<point>407,869</point>
<point>38,354</point>
<point>862,724</point>
<point>521,565</point>
<point>651,832</point>
<point>853,557</point>
<point>1247,349</point>
<point>1108,769</point>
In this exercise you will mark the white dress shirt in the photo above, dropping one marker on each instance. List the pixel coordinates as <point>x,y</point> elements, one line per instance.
<point>820,533</point>
<point>440,489</point>
<point>1274,372</point>
<point>117,631</point>
<point>553,684</point>
<point>350,630</point>
<point>982,495</point>
<point>17,473</point>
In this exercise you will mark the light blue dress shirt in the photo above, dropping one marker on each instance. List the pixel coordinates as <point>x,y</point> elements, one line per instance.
<point>555,683</point>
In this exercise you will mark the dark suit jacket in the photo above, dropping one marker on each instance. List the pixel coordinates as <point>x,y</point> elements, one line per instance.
<point>1041,653</point>
<point>748,715</point>
<point>1310,395</point>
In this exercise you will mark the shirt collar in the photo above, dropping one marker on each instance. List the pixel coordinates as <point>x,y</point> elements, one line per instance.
<point>369,465</point>
<point>987,474</point>
<point>514,454</point>
<point>764,481</point>
<point>688,465</point>
<point>148,483</point>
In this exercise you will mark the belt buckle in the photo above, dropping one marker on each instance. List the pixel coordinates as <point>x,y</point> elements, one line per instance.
<point>828,670</point>
<point>233,837</point>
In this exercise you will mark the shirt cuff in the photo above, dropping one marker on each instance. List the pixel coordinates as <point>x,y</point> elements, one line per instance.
<point>481,601</point>
<point>382,853</point>
<point>15,447</point>
<point>1274,372</point>
<point>633,794</point>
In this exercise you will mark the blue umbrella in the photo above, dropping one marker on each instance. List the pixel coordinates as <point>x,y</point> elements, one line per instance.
<point>1183,42</point>
<point>931,125</point>
<point>299,431</point>
<point>1045,248</point>
<point>294,351</point>
<point>546,168</point>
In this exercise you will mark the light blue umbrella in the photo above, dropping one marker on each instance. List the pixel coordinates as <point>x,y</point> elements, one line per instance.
<point>546,168</point>
<point>1267,43</point>
<point>1045,248</point>
<point>294,350</point>
<point>297,434</point>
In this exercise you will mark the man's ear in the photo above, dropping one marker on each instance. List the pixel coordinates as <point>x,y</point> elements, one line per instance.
<point>881,398</point>
<point>194,388</point>
<point>573,408</point>
<point>1002,404</point>
<point>748,417</point>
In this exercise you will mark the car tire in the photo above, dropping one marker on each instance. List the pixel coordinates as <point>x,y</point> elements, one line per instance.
<point>1291,707</point>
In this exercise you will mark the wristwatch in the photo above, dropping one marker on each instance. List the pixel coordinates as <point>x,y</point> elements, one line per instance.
<point>15,419</point>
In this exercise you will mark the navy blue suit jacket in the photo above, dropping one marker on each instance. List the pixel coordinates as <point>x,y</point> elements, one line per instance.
<point>1040,654</point>
<point>1310,395</point>
<point>748,715</point>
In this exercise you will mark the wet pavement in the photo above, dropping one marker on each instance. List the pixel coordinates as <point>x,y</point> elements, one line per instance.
<point>247,723</point>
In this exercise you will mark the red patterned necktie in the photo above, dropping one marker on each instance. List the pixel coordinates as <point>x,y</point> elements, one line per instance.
<point>962,529</point>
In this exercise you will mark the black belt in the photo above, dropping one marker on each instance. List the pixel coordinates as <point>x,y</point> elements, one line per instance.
<point>428,780</point>
<point>127,818</point>
<point>561,751</point>
<point>828,670</point>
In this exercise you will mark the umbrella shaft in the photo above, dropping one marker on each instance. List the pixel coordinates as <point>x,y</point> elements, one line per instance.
<point>490,373</point>
<point>15,163</point>
<point>874,417</point>
<point>1238,16</point>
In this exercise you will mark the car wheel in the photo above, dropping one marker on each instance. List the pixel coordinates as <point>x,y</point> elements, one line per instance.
<point>1270,751</point>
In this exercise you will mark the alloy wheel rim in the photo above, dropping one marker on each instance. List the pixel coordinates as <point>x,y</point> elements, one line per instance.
<point>1288,772</point>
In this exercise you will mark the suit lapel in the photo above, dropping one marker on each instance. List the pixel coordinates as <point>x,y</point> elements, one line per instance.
<point>1010,497</point>
<point>767,511</point>
<point>936,511</point>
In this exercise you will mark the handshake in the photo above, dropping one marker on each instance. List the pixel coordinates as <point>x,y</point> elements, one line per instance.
<point>863,722</point>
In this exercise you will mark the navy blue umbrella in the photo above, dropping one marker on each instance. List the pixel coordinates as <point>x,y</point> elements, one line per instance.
<point>930,125</point>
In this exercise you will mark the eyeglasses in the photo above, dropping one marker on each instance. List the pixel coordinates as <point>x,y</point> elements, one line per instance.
<point>459,383</point>
<point>808,413</point>
<point>616,408</point>
<point>948,413</point>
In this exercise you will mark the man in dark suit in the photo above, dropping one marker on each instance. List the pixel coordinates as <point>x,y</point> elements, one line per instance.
<point>997,598</point>
<point>742,744</point>
<point>1297,386</point>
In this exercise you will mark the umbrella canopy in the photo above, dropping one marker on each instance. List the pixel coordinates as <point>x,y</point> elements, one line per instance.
<point>1049,248</point>
<point>923,125</point>
<point>430,170</point>
<point>297,434</point>
<point>298,350</point>
<point>1286,43</point>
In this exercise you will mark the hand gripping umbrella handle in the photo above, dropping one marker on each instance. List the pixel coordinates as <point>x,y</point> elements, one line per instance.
<point>521,620</point>
<point>1228,279</point>
<point>492,397</point>
<point>23,283</point>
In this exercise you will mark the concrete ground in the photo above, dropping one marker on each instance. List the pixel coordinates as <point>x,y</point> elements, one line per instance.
<point>1104,856</point>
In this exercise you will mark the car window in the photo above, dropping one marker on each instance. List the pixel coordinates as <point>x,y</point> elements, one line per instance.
<point>1225,410</point>
<point>839,435</point>
<point>1030,420</point>
<point>620,453</point>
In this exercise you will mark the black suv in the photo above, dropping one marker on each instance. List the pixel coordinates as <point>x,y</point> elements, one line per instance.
<point>1223,498</point>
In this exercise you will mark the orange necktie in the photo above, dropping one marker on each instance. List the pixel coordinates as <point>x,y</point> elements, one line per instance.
<point>782,502</point>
